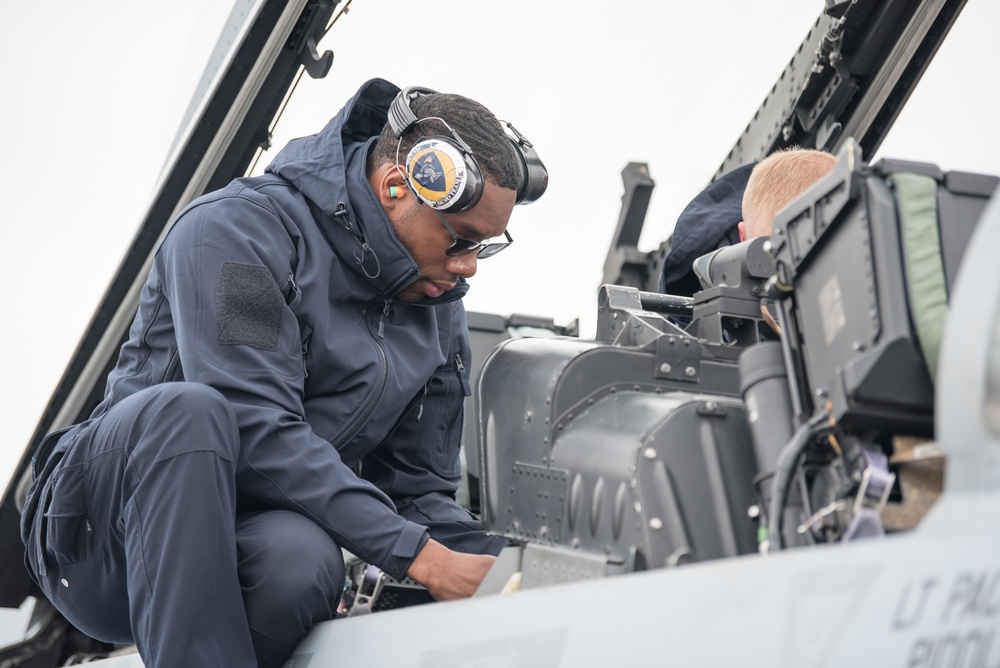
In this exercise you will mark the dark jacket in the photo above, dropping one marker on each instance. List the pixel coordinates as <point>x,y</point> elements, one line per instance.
<point>278,292</point>
<point>709,222</point>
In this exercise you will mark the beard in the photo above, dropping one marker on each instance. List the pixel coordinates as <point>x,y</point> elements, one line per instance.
<point>411,293</point>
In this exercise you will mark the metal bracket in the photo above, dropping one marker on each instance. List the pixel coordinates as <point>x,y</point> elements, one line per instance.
<point>677,358</point>
<point>369,590</point>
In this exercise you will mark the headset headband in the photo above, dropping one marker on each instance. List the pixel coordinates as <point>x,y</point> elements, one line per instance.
<point>534,176</point>
<point>401,117</point>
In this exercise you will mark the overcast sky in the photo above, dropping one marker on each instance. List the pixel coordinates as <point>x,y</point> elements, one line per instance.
<point>93,93</point>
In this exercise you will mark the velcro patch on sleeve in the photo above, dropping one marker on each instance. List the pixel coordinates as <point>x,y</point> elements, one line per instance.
<point>248,306</point>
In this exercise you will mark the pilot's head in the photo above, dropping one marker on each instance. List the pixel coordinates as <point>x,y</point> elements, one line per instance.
<point>775,182</point>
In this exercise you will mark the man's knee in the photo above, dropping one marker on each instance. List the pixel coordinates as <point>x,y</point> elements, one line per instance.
<point>291,571</point>
<point>185,396</point>
<point>171,419</point>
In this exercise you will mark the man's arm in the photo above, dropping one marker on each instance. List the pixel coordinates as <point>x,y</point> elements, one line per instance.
<point>447,574</point>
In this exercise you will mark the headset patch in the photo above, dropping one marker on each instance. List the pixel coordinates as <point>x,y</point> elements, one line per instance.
<point>437,172</point>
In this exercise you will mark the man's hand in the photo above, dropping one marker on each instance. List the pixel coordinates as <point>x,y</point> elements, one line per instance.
<point>447,574</point>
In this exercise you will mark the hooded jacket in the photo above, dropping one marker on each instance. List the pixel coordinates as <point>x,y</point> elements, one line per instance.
<point>708,222</point>
<point>278,291</point>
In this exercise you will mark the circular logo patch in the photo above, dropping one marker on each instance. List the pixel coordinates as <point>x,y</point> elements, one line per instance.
<point>437,172</point>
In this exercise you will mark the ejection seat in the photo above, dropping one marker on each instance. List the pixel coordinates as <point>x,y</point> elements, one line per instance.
<point>873,253</point>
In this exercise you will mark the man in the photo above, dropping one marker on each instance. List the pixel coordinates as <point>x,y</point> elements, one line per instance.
<point>738,206</point>
<point>777,180</point>
<point>774,182</point>
<point>292,385</point>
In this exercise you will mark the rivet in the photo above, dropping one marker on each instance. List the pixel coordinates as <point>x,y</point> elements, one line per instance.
<point>65,582</point>
<point>655,523</point>
<point>649,453</point>
<point>665,368</point>
<point>690,371</point>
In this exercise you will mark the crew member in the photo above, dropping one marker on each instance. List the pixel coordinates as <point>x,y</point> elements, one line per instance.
<point>293,384</point>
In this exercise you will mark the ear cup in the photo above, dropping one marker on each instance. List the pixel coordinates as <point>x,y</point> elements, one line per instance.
<point>534,176</point>
<point>443,175</point>
<point>442,172</point>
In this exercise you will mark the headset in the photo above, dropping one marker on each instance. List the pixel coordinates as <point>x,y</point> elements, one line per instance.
<point>442,172</point>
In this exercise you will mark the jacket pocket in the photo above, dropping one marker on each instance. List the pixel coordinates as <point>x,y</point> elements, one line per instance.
<point>70,536</point>
<point>454,378</point>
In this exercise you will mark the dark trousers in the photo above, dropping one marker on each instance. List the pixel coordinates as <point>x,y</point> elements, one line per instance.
<point>137,539</point>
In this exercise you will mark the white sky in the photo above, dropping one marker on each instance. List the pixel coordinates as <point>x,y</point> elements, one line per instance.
<point>92,94</point>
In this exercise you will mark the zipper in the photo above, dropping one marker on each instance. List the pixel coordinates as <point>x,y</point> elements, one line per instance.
<point>420,411</point>
<point>293,295</point>
<point>369,408</point>
<point>389,301</point>
<point>290,291</point>
<point>462,376</point>
<point>288,286</point>
<point>303,342</point>
<point>171,368</point>
<point>428,305</point>
<point>381,320</point>
<point>356,426</point>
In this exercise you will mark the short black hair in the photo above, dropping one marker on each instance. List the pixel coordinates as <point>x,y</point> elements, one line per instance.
<point>475,124</point>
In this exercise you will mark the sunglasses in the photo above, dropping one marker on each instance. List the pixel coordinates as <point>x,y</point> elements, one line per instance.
<point>463,246</point>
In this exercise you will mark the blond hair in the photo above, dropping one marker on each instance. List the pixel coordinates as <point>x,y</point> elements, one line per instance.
<point>777,180</point>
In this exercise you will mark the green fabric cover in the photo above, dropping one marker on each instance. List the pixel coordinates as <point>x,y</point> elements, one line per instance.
<point>916,197</point>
